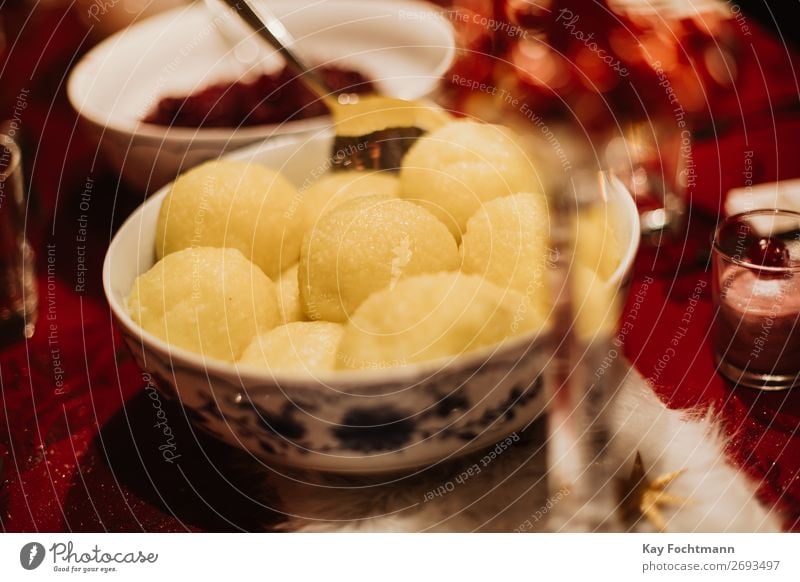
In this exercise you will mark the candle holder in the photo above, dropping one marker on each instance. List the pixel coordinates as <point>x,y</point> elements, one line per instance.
<point>756,291</point>
<point>18,293</point>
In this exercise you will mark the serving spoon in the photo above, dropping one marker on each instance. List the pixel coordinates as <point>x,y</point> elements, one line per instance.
<point>372,131</point>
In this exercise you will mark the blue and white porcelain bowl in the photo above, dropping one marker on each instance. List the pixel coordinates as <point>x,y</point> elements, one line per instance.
<point>348,421</point>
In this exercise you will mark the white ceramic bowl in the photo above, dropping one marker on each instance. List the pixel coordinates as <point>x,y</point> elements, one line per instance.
<point>401,44</point>
<point>359,421</point>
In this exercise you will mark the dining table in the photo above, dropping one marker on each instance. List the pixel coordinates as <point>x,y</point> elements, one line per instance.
<point>78,452</point>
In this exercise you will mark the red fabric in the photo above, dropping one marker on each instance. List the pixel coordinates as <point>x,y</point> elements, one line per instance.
<point>83,456</point>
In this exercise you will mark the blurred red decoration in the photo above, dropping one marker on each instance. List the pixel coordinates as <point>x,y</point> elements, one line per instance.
<point>600,61</point>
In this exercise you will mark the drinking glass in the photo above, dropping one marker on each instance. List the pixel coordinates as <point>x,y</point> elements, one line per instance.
<point>18,294</point>
<point>586,311</point>
<point>756,291</point>
<point>650,157</point>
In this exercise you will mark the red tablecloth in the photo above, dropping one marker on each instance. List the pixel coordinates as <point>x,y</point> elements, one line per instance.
<point>77,444</point>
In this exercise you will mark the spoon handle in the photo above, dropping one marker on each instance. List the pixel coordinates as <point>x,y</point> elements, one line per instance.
<point>270,28</point>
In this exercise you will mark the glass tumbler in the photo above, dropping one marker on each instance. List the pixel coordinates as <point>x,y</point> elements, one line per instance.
<point>18,294</point>
<point>756,291</point>
<point>650,157</point>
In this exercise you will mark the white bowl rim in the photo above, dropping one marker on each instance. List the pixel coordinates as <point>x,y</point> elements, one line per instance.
<point>249,375</point>
<point>80,103</point>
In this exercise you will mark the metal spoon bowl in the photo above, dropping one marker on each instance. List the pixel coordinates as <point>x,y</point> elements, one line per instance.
<point>372,131</point>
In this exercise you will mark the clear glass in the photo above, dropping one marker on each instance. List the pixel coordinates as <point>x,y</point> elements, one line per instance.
<point>756,291</point>
<point>18,294</point>
<point>650,158</point>
<point>578,413</point>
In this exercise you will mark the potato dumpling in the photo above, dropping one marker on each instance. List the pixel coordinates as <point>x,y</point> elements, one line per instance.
<point>506,242</point>
<point>335,189</point>
<point>597,307</point>
<point>207,300</point>
<point>365,245</point>
<point>432,316</point>
<point>289,296</point>
<point>455,169</point>
<point>233,205</point>
<point>596,244</point>
<point>376,112</point>
<point>302,346</point>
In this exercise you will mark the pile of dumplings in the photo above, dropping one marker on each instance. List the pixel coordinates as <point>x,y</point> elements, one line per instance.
<point>360,270</point>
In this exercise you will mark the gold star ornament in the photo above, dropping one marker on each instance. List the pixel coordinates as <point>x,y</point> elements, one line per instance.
<point>642,498</point>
